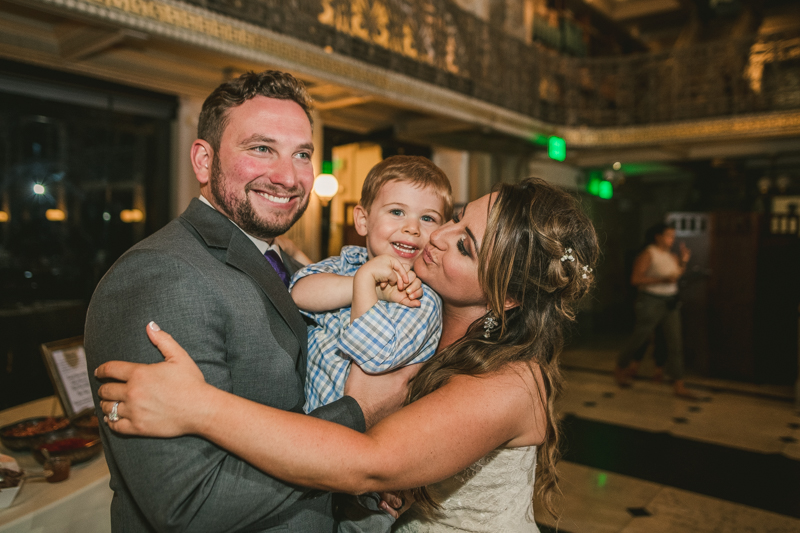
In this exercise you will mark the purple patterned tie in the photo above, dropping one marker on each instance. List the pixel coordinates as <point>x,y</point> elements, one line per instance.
<point>275,260</point>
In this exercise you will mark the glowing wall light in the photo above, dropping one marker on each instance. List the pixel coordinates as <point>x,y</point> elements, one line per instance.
<point>3,216</point>
<point>557,148</point>
<point>131,215</point>
<point>55,215</point>
<point>606,190</point>
<point>597,186</point>
<point>326,186</point>
<point>38,189</point>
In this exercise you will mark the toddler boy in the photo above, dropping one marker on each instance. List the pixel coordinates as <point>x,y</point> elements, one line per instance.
<point>368,304</point>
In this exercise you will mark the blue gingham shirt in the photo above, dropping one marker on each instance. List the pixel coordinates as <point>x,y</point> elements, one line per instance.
<point>387,336</point>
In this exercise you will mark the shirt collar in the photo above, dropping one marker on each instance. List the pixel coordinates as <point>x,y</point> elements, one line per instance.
<point>261,245</point>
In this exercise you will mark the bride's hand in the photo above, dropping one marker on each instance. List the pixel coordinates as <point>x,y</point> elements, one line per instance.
<point>157,400</point>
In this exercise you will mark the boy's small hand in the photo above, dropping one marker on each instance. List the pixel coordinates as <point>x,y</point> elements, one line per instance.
<point>385,271</point>
<point>408,297</point>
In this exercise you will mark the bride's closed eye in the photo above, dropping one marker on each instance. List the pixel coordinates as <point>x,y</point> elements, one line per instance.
<point>462,248</point>
<point>461,244</point>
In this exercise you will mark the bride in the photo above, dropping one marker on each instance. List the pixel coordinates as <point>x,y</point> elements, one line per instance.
<point>510,269</point>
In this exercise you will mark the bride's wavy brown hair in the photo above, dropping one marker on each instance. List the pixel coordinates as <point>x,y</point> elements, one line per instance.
<point>531,226</point>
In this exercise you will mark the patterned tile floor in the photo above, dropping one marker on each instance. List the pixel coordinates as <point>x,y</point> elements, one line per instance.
<point>642,460</point>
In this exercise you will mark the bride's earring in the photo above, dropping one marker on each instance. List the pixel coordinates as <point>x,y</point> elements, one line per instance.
<point>489,323</point>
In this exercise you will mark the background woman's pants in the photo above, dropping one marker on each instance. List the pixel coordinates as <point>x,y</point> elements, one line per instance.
<point>656,313</point>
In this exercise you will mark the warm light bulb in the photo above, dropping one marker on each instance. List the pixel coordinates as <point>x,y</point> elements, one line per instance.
<point>326,186</point>
<point>55,215</point>
<point>131,215</point>
<point>3,216</point>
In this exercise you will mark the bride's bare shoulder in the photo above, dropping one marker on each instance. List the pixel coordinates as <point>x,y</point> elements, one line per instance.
<point>522,377</point>
<point>517,398</point>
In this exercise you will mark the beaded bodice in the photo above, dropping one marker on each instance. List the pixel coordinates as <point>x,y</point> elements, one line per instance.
<point>494,494</point>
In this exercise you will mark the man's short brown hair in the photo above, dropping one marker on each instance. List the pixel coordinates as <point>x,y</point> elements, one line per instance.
<point>233,93</point>
<point>416,169</point>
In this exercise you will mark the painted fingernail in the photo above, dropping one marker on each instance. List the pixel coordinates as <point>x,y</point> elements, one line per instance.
<point>95,372</point>
<point>152,325</point>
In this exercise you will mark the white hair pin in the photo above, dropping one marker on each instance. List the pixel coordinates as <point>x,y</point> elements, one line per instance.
<point>567,255</point>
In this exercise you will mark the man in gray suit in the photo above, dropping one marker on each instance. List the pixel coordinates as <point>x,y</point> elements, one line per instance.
<point>205,279</point>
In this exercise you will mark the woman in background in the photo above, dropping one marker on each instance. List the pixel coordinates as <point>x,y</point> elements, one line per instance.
<point>655,274</point>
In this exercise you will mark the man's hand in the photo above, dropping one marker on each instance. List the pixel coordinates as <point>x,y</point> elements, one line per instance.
<point>379,395</point>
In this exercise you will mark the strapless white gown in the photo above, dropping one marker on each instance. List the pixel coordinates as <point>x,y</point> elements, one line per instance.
<point>493,495</point>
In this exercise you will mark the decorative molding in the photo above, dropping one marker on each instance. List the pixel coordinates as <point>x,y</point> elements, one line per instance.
<point>781,124</point>
<point>200,27</point>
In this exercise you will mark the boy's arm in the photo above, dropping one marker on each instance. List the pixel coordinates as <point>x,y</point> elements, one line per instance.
<point>391,335</point>
<point>327,285</point>
<point>319,292</point>
<point>376,271</point>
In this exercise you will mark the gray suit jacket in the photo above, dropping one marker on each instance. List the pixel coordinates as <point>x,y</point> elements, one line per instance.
<point>203,281</point>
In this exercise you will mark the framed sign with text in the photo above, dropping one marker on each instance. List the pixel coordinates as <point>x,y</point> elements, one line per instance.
<point>66,363</point>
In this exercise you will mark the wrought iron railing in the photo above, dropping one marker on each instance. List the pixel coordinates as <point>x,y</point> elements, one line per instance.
<point>437,42</point>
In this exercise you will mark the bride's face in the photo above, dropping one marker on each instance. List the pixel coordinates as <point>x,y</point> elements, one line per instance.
<point>449,263</point>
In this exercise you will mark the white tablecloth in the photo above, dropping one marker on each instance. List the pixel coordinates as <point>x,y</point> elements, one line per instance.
<point>81,504</point>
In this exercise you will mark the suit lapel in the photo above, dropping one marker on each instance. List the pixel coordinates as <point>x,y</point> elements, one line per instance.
<point>240,253</point>
<point>243,254</point>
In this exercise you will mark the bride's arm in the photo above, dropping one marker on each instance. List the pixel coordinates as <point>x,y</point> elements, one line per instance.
<point>424,442</point>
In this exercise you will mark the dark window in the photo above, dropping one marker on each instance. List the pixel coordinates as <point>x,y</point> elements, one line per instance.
<point>84,175</point>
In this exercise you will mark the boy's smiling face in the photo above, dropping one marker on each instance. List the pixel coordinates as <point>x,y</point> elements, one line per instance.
<point>400,220</point>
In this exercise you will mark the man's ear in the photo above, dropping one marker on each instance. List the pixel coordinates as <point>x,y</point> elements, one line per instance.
<point>360,220</point>
<point>202,157</point>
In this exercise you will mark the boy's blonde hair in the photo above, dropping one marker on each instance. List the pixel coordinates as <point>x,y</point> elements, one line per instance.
<point>416,169</point>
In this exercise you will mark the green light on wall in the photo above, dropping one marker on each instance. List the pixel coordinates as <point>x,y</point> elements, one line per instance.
<point>593,187</point>
<point>327,167</point>
<point>606,190</point>
<point>557,148</point>
<point>602,479</point>
<point>597,186</point>
<point>539,139</point>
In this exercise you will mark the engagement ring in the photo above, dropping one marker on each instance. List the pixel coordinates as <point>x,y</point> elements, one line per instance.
<point>113,416</point>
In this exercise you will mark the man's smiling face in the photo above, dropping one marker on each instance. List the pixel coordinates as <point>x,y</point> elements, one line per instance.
<point>262,176</point>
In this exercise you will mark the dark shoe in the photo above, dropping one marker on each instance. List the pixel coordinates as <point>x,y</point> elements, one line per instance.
<point>622,377</point>
<point>682,392</point>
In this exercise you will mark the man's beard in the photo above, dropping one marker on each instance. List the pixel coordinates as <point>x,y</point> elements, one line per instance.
<point>242,212</point>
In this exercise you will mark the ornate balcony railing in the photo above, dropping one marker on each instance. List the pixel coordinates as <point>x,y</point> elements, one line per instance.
<point>437,42</point>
